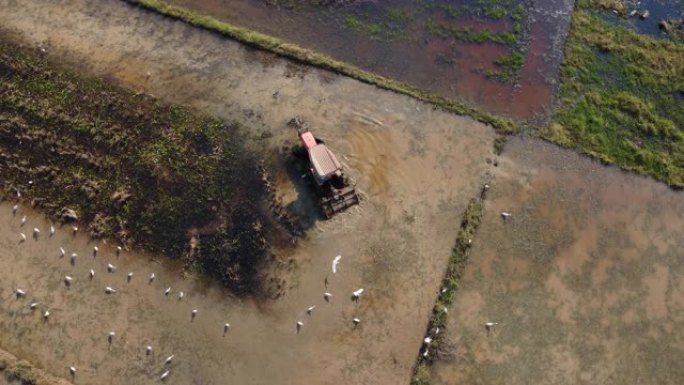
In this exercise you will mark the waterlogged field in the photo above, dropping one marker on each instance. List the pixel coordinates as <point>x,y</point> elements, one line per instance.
<point>584,280</point>
<point>394,244</point>
<point>501,55</point>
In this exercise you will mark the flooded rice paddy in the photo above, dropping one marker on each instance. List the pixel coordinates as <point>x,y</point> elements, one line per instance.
<point>413,41</point>
<point>585,278</point>
<point>415,166</point>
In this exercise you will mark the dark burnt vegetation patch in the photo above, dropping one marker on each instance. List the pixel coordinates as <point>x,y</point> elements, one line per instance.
<point>133,169</point>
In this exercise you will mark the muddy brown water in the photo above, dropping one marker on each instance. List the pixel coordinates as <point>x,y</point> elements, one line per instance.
<point>443,66</point>
<point>416,168</point>
<point>585,280</point>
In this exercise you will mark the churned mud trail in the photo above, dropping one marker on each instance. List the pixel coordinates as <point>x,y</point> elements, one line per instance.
<point>416,167</point>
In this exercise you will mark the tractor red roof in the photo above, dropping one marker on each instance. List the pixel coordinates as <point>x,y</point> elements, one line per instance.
<point>308,140</point>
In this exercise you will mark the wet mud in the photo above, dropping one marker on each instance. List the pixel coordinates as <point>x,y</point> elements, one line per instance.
<point>416,169</point>
<point>583,281</point>
<point>398,44</point>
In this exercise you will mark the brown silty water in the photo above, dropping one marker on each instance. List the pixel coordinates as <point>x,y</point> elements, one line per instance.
<point>585,278</point>
<point>444,66</point>
<point>416,168</point>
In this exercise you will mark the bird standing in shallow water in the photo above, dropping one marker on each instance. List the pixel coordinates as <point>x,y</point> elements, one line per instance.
<point>299,326</point>
<point>164,375</point>
<point>168,359</point>
<point>22,237</point>
<point>23,220</point>
<point>327,296</point>
<point>310,309</point>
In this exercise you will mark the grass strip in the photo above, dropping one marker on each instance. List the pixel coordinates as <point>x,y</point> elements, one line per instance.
<point>15,369</point>
<point>622,96</point>
<point>455,268</point>
<point>303,55</point>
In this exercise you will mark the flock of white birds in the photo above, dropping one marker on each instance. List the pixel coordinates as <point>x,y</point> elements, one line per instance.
<point>22,293</point>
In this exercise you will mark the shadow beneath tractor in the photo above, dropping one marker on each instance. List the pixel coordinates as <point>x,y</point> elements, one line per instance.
<point>305,207</point>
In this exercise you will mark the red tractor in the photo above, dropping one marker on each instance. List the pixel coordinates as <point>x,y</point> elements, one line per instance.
<point>334,189</point>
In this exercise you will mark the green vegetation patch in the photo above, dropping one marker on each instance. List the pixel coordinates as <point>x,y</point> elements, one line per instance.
<point>622,97</point>
<point>148,174</point>
<point>455,269</point>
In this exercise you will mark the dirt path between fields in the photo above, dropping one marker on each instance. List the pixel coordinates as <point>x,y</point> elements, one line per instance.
<point>416,167</point>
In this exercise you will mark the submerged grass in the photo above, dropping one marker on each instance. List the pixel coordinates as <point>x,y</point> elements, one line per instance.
<point>455,269</point>
<point>622,97</point>
<point>133,169</point>
<point>303,55</point>
<point>23,371</point>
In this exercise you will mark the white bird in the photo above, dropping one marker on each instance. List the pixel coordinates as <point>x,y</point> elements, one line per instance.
<point>168,359</point>
<point>111,268</point>
<point>425,353</point>
<point>36,232</point>
<point>327,296</point>
<point>488,325</point>
<point>67,280</point>
<point>72,370</point>
<point>129,276</point>
<point>73,258</point>
<point>62,252</point>
<point>33,306</point>
<point>52,230</point>
<point>505,215</point>
<point>95,250</point>
<point>14,209</point>
<point>23,237</point>
<point>336,262</point>
<point>109,290</point>
<point>148,351</point>
<point>92,273</point>
<point>23,220</point>
<point>299,326</point>
<point>20,293</point>
<point>164,375</point>
<point>118,250</point>
<point>167,291</point>
<point>152,276</point>
<point>110,337</point>
<point>445,310</point>
<point>181,295</point>
<point>19,192</point>
<point>46,315</point>
<point>356,321</point>
<point>75,229</point>
<point>225,328</point>
<point>356,294</point>
<point>194,313</point>
<point>310,309</point>
<point>427,340</point>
